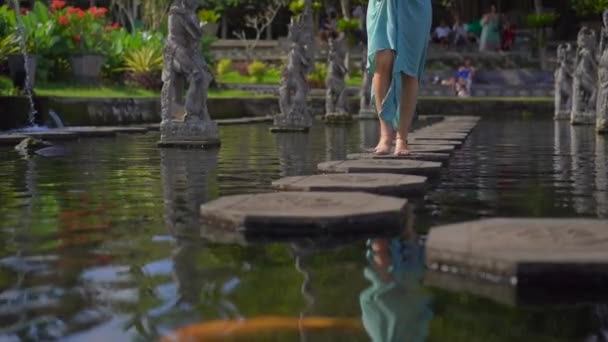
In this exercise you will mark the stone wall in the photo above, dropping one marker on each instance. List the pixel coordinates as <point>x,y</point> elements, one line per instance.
<point>107,112</point>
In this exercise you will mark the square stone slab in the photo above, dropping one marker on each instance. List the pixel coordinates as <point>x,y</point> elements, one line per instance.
<point>419,148</point>
<point>305,213</point>
<point>438,136</point>
<point>11,139</point>
<point>528,251</point>
<point>428,156</point>
<point>408,167</point>
<point>377,183</point>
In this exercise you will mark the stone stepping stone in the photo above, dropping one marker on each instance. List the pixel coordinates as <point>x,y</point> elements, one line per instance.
<point>411,167</point>
<point>438,136</point>
<point>553,252</point>
<point>54,135</point>
<point>421,142</point>
<point>414,148</point>
<point>11,139</point>
<point>305,213</point>
<point>377,183</point>
<point>428,156</point>
<point>91,131</point>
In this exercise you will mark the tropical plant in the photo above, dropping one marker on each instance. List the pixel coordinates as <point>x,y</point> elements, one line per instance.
<point>143,67</point>
<point>541,20</point>
<point>257,70</point>
<point>206,49</point>
<point>84,31</point>
<point>318,76</point>
<point>5,26</point>
<point>121,42</point>
<point>223,67</point>
<point>296,7</point>
<point>208,16</point>
<point>589,7</point>
<point>6,87</point>
<point>8,46</point>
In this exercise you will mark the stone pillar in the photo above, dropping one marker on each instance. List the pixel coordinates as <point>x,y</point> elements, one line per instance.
<point>336,98</point>
<point>584,89</point>
<point>293,92</point>
<point>185,119</point>
<point>563,82</point>
<point>366,110</point>
<point>602,97</point>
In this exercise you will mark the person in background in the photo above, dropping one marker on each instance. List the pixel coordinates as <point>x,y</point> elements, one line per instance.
<point>508,36</point>
<point>490,34</point>
<point>459,32</point>
<point>441,35</point>
<point>464,79</point>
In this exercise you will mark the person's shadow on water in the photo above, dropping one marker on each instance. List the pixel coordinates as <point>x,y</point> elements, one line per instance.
<point>395,307</point>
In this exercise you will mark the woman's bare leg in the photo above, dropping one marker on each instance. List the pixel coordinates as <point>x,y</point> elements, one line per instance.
<point>409,96</point>
<point>382,82</point>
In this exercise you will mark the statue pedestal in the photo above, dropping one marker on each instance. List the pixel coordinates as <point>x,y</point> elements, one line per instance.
<point>191,132</point>
<point>367,115</point>
<point>296,122</point>
<point>338,118</point>
<point>562,115</point>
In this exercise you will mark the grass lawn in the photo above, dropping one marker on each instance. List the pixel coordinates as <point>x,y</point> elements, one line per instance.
<point>109,91</point>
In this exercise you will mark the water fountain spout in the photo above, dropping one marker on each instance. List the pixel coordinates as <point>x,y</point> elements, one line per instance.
<point>23,46</point>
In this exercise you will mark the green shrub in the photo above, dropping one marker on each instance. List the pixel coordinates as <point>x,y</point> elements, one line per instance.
<point>143,67</point>
<point>6,86</point>
<point>541,20</point>
<point>257,70</point>
<point>224,66</point>
<point>7,47</point>
<point>318,76</point>
<point>589,7</point>
<point>208,16</point>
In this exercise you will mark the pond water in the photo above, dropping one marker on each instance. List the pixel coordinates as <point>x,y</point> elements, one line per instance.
<point>103,244</point>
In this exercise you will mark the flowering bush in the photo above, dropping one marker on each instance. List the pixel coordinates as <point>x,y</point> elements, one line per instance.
<point>82,31</point>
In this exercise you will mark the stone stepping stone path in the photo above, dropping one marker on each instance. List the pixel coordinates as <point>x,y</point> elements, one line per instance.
<point>433,148</point>
<point>420,142</point>
<point>91,131</point>
<point>11,139</point>
<point>305,213</point>
<point>438,136</point>
<point>406,167</point>
<point>377,183</point>
<point>526,252</point>
<point>428,156</point>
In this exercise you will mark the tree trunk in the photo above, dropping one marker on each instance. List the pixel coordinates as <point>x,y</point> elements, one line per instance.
<point>542,50</point>
<point>346,15</point>
<point>224,25</point>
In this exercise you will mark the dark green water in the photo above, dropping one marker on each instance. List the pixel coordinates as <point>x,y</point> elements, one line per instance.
<point>101,245</point>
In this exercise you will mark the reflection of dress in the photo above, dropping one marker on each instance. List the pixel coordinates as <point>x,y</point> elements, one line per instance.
<point>397,309</point>
<point>490,38</point>
<point>401,26</point>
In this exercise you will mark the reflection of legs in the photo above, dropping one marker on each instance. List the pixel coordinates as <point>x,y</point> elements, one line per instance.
<point>409,95</point>
<point>381,83</point>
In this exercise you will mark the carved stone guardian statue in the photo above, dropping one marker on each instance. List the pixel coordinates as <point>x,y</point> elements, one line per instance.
<point>293,92</point>
<point>602,94</point>
<point>366,109</point>
<point>336,99</point>
<point>185,119</point>
<point>584,87</point>
<point>563,81</point>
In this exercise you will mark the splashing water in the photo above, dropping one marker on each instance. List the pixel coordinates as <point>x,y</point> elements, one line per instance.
<point>56,119</point>
<point>23,46</point>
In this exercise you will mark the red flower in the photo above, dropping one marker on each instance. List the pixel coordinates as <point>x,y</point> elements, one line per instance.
<point>57,5</point>
<point>81,13</point>
<point>63,20</point>
<point>72,10</point>
<point>76,38</point>
<point>98,11</point>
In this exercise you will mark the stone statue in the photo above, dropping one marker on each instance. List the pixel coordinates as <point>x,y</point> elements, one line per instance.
<point>336,99</point>
<point>563,81</point>
<point>293,91</point>
<point>366,109</point>
<point>185,119</point>
<point>602,94</point>
<point>584,86</point>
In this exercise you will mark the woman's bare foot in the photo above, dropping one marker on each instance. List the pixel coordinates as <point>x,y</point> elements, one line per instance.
<point>385,145</point>
<point>401,148</point>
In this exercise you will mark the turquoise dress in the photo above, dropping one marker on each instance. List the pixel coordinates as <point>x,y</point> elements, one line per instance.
<point>404,27</point>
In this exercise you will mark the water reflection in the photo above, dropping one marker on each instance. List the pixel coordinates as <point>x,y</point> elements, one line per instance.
<point>396,307</point>
<point>601,176</point>
<point>186,176</point>
<point>294,153</point>
<point>582,149</point>
<point>562,162</point>
<point>336,142</point>
<point>369,133</point>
